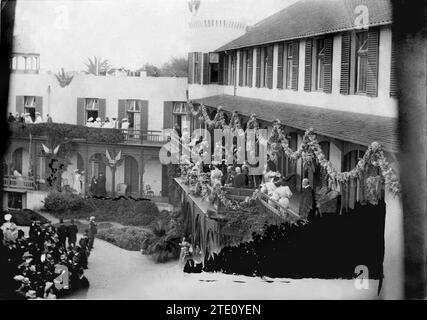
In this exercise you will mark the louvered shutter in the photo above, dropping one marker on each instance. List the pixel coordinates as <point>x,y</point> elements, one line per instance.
<point>241,68</point>
<point>295,62</point>
<point>167,114</point>
<point>250,67</point>
<point>200,66</point>
<point>345,63</point>
<point>205,68</point>
<point>394,86</point>
<point>39,105</point>
<point>226,70</point>
<point>190,67</point>
<point>102,109</point>
<point>221,69</point>
<point>280,66</point>
<point>327,64</point>
<point>308,63</point>
<point>144,117</point>
<point>121,112</point>
<point>81,114</point>
<point>270,67</point>
<point>372,76</point>
<point>258,68</point>
<point>20,104</point>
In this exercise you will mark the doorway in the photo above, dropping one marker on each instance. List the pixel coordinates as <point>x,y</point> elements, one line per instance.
<point>131,174</point>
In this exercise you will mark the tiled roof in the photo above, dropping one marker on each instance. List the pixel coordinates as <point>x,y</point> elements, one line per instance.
<point>347,126</point>
<point>312,17</point>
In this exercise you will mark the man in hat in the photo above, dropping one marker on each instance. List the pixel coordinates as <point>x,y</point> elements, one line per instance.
<point>72,233</point>
<point>307,202</point>
<point>92,232</point>
<point>11,117</point>
<point>49,118</point>
<point>10,230</point>
<point>62,232</point>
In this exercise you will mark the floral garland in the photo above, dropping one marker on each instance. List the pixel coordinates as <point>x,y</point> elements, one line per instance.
<point>311,152</point>
<point>232,204</point>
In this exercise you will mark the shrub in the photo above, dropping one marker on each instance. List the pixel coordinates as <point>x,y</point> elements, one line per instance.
<point>129,238</point>
<point>62,202</point>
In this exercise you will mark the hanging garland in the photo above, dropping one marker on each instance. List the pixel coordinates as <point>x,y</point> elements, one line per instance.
<point>311,152</point>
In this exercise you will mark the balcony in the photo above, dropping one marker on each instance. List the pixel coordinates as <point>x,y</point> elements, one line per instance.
<point>11,183</point>
<point>81,133</point>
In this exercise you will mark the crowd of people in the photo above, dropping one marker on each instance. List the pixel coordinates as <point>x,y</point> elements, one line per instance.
<point>47,264</point>
<point>271,183</point>
<point>27,118</point>
<point>109,124</point>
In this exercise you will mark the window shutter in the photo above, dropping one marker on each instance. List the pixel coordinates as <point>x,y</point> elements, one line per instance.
<point>372,77</point>
<point>39,105</point>
<point>205,68</point>
<point>270,67</point>
<point>308,63</point>
<point>190,67</point>
<point>295,62</point>
<point>345,63</point>
<point>221,69</point>
<point>241,68</point>
<point>250,68</point>
<point>280,66</point>
<point>144,116</point>
<point>20,104</point>
<point>258,68</point>
<point>81,114</point>
<point>394,86</point>
<point>167,115</point>
<point>200,56</point>
<point>102,105</point>
<point>327,63</point>
<point>121,112</point>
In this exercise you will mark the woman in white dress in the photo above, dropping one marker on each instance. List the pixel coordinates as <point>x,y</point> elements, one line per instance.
<point>39,118</point>
<point>282,194</point>
<point>89,122</point>
<point>77,184</point>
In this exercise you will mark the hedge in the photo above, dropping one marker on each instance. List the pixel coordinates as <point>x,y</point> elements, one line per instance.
<point>125,211</point>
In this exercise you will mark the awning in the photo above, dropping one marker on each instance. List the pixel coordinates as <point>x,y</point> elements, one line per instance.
<point>353,127</point>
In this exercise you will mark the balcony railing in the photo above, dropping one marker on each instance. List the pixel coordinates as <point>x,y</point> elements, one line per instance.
<point>142,136</point>
<point>25,183</point>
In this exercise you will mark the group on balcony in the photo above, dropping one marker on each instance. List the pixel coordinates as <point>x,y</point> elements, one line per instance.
<point>28,118</point>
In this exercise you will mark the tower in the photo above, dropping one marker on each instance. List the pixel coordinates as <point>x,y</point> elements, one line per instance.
<point>212,23</point>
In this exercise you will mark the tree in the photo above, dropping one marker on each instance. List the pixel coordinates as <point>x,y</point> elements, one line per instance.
<point>176,67</point>
<point>152,70</point>
<point>98,67</point>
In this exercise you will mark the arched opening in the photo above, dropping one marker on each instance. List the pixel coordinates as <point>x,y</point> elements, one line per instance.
<point>20,162</point>
<point>131,177</point>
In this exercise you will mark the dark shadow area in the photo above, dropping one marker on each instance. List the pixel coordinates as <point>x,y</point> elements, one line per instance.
<point>329,247</point>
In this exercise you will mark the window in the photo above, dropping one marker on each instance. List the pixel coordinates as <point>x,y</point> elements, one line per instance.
<point>92,104</point>
<point>264,58</point>
<point>30,106</point>
<point>92,108</point>
<point>213,67</point>
<point>133,105</point>
<point>320,56</point>
<point>289,62</point>
<point>361,61</point>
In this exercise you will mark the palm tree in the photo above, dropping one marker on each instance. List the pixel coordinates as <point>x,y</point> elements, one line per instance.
<point>98,67</point>
<point>64,78</point>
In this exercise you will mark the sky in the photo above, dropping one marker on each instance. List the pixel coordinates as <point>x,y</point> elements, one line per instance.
<point>129,33</point>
